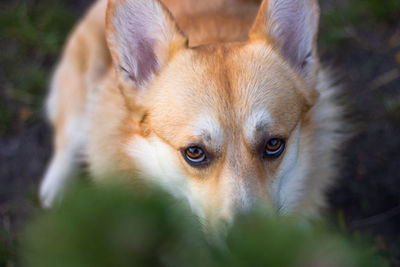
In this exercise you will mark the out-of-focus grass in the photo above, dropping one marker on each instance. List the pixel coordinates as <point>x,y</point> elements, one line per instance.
<point>31,36</point>
<point>8,248</point>
<point>339,22</point>
<point>382,10</point>
<point>114,226</point>
<point>4,249</point>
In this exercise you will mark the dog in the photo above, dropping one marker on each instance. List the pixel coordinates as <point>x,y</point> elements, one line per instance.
<point>221,102</point>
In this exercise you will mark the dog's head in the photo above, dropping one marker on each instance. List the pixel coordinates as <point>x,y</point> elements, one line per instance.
<point>221,124</point>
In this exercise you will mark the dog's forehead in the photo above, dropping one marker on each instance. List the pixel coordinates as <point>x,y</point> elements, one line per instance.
<point>237,87</point>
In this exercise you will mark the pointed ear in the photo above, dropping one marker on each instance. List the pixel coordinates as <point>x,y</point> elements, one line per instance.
<point>142,36</point>
<point>292,26</point>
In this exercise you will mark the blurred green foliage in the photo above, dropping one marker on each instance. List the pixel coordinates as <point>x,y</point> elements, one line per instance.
<point>4,250</point>
<point>8,247</point>
<point>339,21</point>
<point>114,226</point>
<point>31,36</point>
<point>382,10</point>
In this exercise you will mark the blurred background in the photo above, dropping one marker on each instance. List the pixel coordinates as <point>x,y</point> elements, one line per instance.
<point>359,40</point>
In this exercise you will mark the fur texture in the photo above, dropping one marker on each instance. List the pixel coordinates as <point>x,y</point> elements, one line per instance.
<point>179,74</point>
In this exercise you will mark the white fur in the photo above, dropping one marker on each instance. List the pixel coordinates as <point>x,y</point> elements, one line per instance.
<point>207,125</point>
<point>157,162</point>
<point>257,117</point>
<point>64,161</point>
<point>245,195</point>
<point>57,175</point>
<point>238,192</point>
<point>52,98</point>
<point>287,188</point>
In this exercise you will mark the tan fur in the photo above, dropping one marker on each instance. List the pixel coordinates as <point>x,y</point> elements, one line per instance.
<point>203,74</point>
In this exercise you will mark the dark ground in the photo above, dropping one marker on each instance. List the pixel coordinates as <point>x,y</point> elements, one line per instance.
<point>360,39</point>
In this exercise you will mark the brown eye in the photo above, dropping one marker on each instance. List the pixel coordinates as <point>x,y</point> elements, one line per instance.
<point>195,155</point>
<point>274,148</point>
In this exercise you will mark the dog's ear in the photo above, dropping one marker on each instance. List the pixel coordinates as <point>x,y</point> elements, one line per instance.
<point>291,26</point>
<point>142,35</point>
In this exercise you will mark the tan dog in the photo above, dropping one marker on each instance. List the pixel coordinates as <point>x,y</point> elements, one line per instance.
<point>222,102</point>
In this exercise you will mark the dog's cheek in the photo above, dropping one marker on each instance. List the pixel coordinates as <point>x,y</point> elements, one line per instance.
<point>290,176</point>
<point>159,164</point>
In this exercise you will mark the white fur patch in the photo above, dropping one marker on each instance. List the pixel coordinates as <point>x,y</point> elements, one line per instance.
<point>57,175</point>
<point>52,98</point>
<point>157,162</point>
<point>289,183</point>
<point>246,197</point>
<point>258,118</point>
<point>65,161</point>
<point>207,126</point>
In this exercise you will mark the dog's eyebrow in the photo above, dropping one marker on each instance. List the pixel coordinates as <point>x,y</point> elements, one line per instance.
<point>209,129</point>
<point>256,122</point>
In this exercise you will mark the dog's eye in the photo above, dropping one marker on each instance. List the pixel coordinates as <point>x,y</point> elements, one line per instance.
<point>274,148</point>
<point>195,155</point>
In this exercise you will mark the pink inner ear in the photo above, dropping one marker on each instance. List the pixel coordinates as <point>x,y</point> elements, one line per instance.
<point>146,61</point>
<point>294,24</point>
<point>134,41</point>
